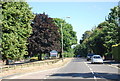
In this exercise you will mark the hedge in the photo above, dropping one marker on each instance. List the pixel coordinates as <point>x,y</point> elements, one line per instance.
<point>116,52</point>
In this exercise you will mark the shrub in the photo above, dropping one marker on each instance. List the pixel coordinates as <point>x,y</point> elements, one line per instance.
<point>33,58</point>
<point>116,51</point>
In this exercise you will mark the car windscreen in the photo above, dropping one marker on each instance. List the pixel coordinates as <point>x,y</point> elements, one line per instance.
<point>96,57</point>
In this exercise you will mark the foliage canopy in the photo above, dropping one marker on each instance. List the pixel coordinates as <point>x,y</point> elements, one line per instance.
<point>15,29</point>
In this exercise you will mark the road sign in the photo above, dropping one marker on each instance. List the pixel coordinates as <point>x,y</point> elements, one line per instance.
<point>53,53</point>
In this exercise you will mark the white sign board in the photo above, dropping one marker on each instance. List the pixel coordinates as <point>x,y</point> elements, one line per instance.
<point>53,53</point>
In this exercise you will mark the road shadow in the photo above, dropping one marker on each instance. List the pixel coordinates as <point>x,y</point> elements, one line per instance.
<point>95,63</point>
<point>107,76</point>
<point>57,80</point>
<point>110,62</point>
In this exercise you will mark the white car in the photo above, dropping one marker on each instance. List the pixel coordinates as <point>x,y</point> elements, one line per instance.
<point>96,59</point>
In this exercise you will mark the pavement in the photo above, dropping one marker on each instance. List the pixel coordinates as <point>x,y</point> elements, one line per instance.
<point>40,69</point>
<point>112,63</point>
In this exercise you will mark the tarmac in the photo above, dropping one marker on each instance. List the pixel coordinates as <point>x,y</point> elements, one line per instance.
<point>112,63</point>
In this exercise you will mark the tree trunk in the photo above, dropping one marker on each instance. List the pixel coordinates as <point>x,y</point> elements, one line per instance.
<point>60,55</point>
<point>48,55</point>
<point>39,56</point>
<point>7,62</point>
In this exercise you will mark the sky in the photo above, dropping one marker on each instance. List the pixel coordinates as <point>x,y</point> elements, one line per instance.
<point>83,15</point>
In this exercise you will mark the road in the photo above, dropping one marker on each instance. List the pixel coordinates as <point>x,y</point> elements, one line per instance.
<point>77,68</point>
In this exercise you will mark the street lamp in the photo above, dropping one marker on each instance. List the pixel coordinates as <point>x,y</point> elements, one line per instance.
<point>118,14</point>
<point>62,36</point>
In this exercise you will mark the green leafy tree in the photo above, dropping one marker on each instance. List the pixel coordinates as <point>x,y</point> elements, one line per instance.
<point>85,36</point>
<point>113,18</point>
<point>81,49</point>
<point>0,30</point>
<point>101,38</point>
<point>15,29</point>
<point>69,36</point>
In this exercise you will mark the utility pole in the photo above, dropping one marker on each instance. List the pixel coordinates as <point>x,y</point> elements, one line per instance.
<point>62,37</point>
<point>119,14</point>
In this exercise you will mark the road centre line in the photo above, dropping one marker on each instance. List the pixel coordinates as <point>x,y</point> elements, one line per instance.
<point>94,77</point>
<point>91,71</point>
<point>94,73</point>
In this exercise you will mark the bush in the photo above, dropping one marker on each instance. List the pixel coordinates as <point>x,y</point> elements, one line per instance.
<point>33,58</point>
<point>115,52</point>
<point>68,54</point>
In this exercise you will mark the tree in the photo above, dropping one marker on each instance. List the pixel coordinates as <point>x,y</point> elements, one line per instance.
<point>69,36</point>
<point>45,37</point>
<point>15,29</point>
<point>81,50</point>
<point>113,18</point>
<point>101,39</point>
<point>0,32</point>
<point>85,36</point>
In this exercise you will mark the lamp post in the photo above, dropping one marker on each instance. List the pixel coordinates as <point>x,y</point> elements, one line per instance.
<point>62,37</point>
<point>118,14</point>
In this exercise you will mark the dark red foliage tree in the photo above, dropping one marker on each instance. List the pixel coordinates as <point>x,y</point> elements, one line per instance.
<point>45,36</point>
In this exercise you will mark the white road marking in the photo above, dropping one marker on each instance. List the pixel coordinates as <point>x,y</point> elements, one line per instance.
<point>91,71</point>
<point>113,66</point>
<point>45,78</point>
<point>94,77</point>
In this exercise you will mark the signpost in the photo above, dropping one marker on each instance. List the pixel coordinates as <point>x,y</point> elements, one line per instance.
<point>53,53</point>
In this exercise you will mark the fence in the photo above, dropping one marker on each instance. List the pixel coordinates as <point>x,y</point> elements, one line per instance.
<point>39,63</point>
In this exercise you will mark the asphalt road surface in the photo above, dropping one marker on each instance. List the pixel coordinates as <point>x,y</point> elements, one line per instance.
<point>77,68</point>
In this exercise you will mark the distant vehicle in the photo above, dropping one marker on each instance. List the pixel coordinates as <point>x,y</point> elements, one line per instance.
<point>96,59</point>
<point>89,56</point>
<point>78,55</point>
